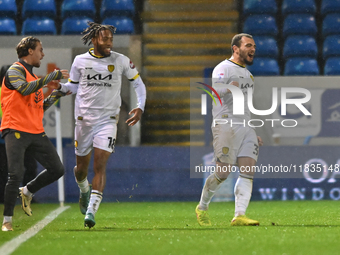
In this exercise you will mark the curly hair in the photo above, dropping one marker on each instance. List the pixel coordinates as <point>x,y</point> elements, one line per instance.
<point>93,31</point>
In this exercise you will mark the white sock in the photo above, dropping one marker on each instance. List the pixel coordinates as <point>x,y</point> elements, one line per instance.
<point>83,185</point>
<point>7,219</point>
<point>95,199</point>
<point>211,185</point>
<point>242,191</point>
<point>26,192</point>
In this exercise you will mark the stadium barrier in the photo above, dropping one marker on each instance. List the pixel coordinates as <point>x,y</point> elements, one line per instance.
<point>163,174</point>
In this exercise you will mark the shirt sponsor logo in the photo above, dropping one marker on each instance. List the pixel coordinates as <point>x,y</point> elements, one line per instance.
<point>98,77</point>
<point>96,84</point>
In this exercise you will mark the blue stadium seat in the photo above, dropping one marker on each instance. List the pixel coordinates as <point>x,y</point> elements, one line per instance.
<point>331,46</point>
<point>264,67</point>
<point>266,46</point>
<point>330,6</point>
<point>300,46</point>
<point>332,66</point>
<point>8,9</point>
<point>117,8</point>
<point>331,24</point>
<point>298,6</point>
<point>301,66</point>
<point>260,25</point>
<point>252,7</point>
<point>78,8</point>
<point>124,25</point>
<point>39,8</point>
<point>36,26</point>
<point>74,26</point>
<point>7,27</point>
<point>299,24</point>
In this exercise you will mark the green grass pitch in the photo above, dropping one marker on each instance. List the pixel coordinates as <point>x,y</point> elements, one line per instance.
<point>290,227</point>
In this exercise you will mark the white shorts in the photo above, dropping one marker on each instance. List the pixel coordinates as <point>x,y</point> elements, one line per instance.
<point>233,142</point>
<point>88,136</point>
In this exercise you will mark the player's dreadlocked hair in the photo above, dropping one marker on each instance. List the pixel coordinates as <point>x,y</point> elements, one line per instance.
<point>93,31</point>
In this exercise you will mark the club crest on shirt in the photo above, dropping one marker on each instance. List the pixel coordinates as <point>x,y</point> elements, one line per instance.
<point>110,68</point>
<point>225,150</point>
<point>132,65</point>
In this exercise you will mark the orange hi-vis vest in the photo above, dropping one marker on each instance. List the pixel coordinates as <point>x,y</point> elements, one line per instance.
<point>22,113</point>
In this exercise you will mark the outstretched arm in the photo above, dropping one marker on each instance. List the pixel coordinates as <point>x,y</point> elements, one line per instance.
<point>17,79</point>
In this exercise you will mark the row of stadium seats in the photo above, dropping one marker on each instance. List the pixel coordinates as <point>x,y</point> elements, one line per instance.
<point>45,26</point>
<point>69,8</point>
<point>293,24</point>
<point>299,38</point>
<point>39,16</point>
<point>251,7</point>
<point>294,66</point>
<point>297,46</point>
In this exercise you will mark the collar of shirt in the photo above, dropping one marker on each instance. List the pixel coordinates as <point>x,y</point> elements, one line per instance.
<point>27,66</point>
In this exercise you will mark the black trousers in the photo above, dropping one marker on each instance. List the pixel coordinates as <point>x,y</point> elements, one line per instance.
<point>17,143</point>
<point>3,171</point>
<point>31,169</point>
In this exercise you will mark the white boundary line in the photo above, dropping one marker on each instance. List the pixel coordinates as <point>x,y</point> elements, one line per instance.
<point>10,246</point>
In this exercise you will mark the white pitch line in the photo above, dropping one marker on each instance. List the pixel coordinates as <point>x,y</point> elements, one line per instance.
<point>10,246</point>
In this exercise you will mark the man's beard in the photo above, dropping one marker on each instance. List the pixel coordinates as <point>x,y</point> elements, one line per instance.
<point>244,56</point>
<point>248,63</point>
<point>102,52</point>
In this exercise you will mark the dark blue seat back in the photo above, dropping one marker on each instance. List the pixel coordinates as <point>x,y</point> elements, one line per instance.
<point>78,8</point>
<point>39,8</point>
<point>299,24</point>
<point>300,46</point>
<point>124,25</point>
<point>7,27</point>
<point>8,9</point>
<point>266,46</point>
<point>298,6</point>
<point>332,66</point>
<point>264,67</point>
<point>260,25</point>
<point>117,8</point>
<point>252,7</point>
<point>301,66</point>
<point>330,6</point>
<point>37,26</point>
<point>331,46</point>
<point>74,26</point>
<point>331,24</point>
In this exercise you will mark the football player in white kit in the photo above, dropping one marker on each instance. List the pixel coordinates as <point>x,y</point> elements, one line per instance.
<point>234,144</point>
<point>96,78</point>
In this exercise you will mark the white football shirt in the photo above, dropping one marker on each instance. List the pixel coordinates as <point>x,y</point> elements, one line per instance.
<point>99,83</point>
<point>224,73</point>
